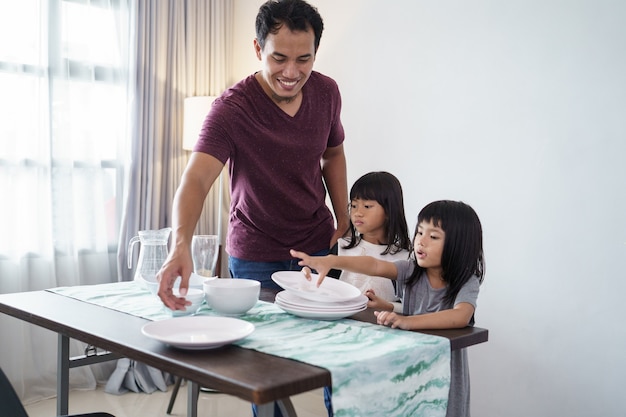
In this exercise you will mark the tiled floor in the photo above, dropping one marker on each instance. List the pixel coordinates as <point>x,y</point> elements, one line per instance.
<point>310,404</point>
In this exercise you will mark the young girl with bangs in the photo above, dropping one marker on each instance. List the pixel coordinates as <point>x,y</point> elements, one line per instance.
<point>439,284</point>
<point>378,228</point>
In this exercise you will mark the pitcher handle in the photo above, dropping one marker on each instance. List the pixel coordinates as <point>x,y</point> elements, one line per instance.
<point>129,253</point>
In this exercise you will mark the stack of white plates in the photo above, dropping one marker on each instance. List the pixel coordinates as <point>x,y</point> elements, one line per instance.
<point>332,300</point>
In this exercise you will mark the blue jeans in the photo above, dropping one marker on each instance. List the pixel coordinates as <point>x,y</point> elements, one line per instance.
<point>262,271</point>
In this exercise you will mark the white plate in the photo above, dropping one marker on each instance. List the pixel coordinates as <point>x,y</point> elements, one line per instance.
<point>331,290</point>
<point>320,315</point>
<point>317,310</point>
<point>291,299</point>
<point>198,332</point>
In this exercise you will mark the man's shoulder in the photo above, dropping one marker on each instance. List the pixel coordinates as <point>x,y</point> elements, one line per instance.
<point>318,77</point>
<point>242,87</point>
<point>323,88</point>
<point>240,96</point>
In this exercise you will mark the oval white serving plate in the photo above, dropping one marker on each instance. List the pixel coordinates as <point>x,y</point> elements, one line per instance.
<point>198,332</point>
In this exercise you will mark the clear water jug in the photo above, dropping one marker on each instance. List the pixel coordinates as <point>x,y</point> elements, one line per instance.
<point>152,253</point>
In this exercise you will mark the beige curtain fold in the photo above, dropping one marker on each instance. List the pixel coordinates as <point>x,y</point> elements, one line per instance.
<point>182,50</point>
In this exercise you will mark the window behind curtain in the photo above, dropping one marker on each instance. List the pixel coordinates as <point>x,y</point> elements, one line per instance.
<point>64,110</point>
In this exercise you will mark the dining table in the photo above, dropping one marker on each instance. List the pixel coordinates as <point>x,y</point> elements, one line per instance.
<point>283,357</point>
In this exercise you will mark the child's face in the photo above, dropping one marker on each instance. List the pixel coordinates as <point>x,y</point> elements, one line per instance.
<point>428,245</point>
<point>368,218</point>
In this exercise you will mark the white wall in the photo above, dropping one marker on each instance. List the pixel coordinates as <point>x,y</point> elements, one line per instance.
<point>518,108</point>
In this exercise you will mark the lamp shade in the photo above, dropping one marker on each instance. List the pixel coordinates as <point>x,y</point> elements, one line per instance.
<point>195,109</point>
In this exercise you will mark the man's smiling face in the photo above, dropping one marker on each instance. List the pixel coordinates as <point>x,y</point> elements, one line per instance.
<point>287,60</point>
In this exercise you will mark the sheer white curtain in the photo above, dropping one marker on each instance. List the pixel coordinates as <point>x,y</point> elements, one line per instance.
<point>77,117</point>
<point>64,102</point>
<point>183,49</point>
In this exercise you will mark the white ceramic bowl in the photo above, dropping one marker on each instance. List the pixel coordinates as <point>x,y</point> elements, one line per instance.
<point>195,281</point>
<point>232,297</point>
<point>194,295</point>
<point>205,283</point>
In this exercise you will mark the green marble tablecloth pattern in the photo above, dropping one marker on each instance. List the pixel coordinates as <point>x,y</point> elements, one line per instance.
<point>376,371</point>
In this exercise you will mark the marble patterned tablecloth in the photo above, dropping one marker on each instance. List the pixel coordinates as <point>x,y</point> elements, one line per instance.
<point>376,371</point>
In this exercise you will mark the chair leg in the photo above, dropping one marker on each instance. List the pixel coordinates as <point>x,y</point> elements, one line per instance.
<point>174,394</point>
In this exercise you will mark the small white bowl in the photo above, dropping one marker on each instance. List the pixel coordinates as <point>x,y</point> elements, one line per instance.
<point>232,297</point>
<point>194,295</point>
<point>195,281</point>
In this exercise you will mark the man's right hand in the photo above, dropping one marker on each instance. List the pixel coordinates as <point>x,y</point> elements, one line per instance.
<point>177,264</point>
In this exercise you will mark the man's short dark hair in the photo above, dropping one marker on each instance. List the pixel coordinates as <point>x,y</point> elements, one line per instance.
<point>298,15</point>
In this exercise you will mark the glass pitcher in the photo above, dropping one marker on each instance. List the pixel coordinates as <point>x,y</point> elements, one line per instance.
<point>152,253</point>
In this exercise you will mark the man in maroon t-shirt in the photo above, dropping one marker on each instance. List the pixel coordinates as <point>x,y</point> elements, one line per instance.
<point>280,132</point>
